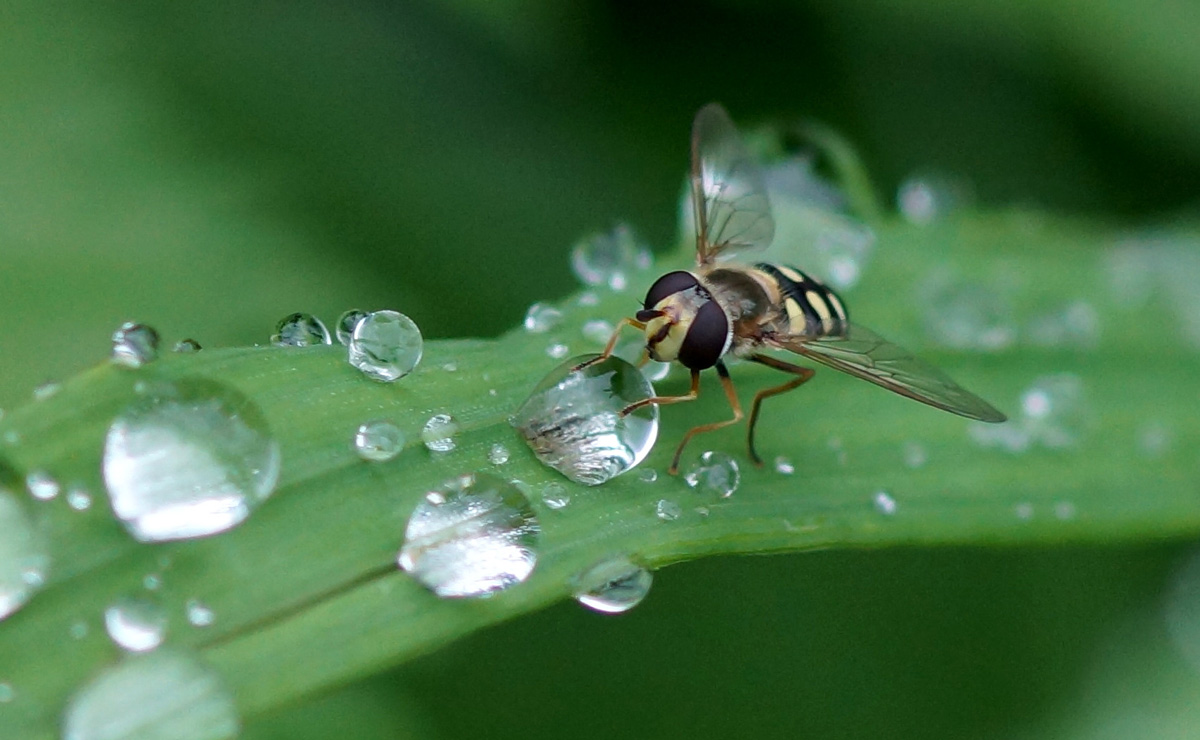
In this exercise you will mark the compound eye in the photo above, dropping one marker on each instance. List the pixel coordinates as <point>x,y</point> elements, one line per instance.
<point>706,338</point>
<point>669,284</point>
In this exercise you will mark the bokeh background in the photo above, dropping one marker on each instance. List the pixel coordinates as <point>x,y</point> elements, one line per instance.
<point>209,168</point>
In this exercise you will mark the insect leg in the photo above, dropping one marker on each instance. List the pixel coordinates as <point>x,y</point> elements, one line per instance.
<point>802,374</point>
<point>612,342</point>
<point>730,394</point>
<point>664,400</point>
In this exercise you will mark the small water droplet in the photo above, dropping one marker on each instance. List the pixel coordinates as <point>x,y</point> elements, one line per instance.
<point>598,331</point>
<point>966,315</point>
<point>914,455</point>
<point>613,586</point>
<point>78,498</point>
<point>474,536</point>
<point>497,454</point>
<point>450,367</point>
<point>7,693</point>
<point>714,472</point>
<point>344,329</point>
<point>161,695</point>
<point>300,330</point>
<point>1154,439</point>
<point>647,475</point>
<point>588,298</point>
<point>702,511</point>
<point>927,197</point>
<point>386,346</point>
<point>136,623</point>
<point>555,496</point>
<point>186,346</point>
<point>24,558</point>
<point>667,511</point>
<point>557,350</point>
<point>541,318</point>
<point>41,485</point>
<point>199,614</point>
<point>611,258</point>
<point>46,390</point>
<point>378,441</point>
<point>191,459</point>
<point>884,503</point>
<point>1064,510</point>
<point>784,466</point>
<point>134,345</point>
<point>152,581</point>
<point>572,420</point>
<point>1023,510</point>
<point>78,630</point>
<point>438,433</point>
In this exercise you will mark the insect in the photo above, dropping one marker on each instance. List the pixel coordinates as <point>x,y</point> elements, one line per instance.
<point>725,308</point>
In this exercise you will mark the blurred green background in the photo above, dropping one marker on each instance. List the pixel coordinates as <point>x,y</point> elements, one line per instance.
<point>208,168</point>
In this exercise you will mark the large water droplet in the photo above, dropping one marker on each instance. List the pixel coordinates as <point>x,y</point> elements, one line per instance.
<point>24,558</point>
<point>386,345</point>
<point>613,586</point>
<point>438,433</point>
<point>541,318</point>
<point>300,330</point>
<point>378,441</point>
<point>572,420</point>
<point>714,472</point>
<point>134,345</point>
<point>136,623</point>
<point>163,695</point>
<point>966,315</point>
<point>474,536</point>
<point>187,460</point>
<point>611,258</point>
<point>346,323</point>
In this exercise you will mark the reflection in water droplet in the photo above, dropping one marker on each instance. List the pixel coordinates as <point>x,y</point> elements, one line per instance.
<point>598,331</point>
<point>667,511</point>
<point>966,315</point>
<point>610,259</point>
<point>24,558</point>
<point>300,330</point>
<point>927,197</point>
<point>884,503</point>
<point>555,496</point>
<point>558,350</point>
<point>386,345</point>
<point>378,441</point>
<point>572,420</point>
<point>41,485</point>
<point>186,346</point>
<point>784,466</point>
<point>189,459</point>
<point>134,345</point>
<point>78,498</point>
<point>344,329</point>
<point>438,433</point>
<point>541,318</point>
<point>497,454</point>
<point>136,623</point>
<point>714,472</point>
<point>914,455</point>
<point>474,536</point>
<point>199,614</point>
<point>162,695</point>
<point>613,586</point>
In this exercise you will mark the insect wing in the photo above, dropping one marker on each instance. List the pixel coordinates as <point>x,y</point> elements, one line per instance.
<point>864,354</point>
<point>732,211</point>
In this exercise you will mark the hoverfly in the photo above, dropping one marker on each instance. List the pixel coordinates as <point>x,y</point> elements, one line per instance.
<point>721,308</point>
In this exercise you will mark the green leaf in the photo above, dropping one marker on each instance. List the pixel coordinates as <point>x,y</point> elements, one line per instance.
<point>307,595</point>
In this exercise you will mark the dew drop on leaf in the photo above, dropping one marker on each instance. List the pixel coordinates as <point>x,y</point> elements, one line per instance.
<point>134,345</point>
<point>439,432</point>
<point>300,330</point>
<point>714,472</point>
<point>136,623</point>
<point>344,329</point>
<point>613,586</point>
<point>24,558</point>
<point>378,441</point>
<point>385,346</point>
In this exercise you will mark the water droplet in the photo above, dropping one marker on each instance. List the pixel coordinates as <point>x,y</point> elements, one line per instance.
<point>474,536</point>
<point>714,472</point>
<point>300,330</point>
<point>438,433</point>
<point>188,460</point>
<point>450,367</point>
<point>647,475</point>
<point>162,695</point>
<point>78,630</point>
<point>613,586</point>
<point>1154,439</point>
<point>136,623</point>
<point>78,498</point>
<point>1076,324</point>
<point>914,455</point>
<point>557,350</point>
<point>966,315</point>
<point>46,390</point>
<point>588,298</point>
<point>784,466</point>
<point>702,511</point>
<point>541,318</point>
<point>346,324</point>
<point>152,581</point>
<point>7,693</point>
<point>928,197</point>
<point>378,441</point>
<point>497,454</point>
<point>1064,510</point>
<point>572,420</point>
<point>199,614</point>
<point>23,555</point>
<point>611,258</point>
<point>555,496</point>
<point>667,511</point>
<point>884,503</point>
<point>386,346</point>
<point>598,331</point>
<point>134,345</point>
<point>41,485</point>
<point>1023,510</point>
<point>186,346</point>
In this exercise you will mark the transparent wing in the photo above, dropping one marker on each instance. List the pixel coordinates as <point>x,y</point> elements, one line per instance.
<point>732,211</point>
<point>863,353</point>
